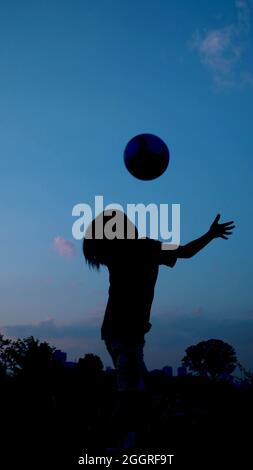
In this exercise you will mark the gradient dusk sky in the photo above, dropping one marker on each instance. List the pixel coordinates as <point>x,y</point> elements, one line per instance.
<point>78,80</point>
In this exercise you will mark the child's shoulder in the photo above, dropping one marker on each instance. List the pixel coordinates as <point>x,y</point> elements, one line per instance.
<point>149,246</point>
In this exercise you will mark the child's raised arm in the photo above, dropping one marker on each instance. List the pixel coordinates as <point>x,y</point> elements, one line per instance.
<point>192,248</point>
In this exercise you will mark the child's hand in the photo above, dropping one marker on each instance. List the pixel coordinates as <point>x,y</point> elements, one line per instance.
<point>221,230</point>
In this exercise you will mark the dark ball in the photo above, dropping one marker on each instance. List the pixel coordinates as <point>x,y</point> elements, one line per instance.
<point>146,156</point>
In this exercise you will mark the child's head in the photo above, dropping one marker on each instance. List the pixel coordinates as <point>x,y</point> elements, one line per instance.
<point>100,236</point>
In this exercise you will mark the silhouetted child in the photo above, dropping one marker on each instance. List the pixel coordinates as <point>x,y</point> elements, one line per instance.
<point>133,265</point>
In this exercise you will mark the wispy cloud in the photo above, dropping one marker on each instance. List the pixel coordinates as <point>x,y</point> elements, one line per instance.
<point>48,329</point>
<point>64,247</point>
<point>170,335</point>
<point>221,50</point>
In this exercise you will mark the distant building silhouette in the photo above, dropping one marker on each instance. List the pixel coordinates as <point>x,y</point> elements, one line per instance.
<point>60,356</point>
<point>168,371</point>
<point>181,371</point>
<point>228,377</point>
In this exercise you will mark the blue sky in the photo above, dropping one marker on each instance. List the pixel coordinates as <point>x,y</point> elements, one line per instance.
<point>78,80</point>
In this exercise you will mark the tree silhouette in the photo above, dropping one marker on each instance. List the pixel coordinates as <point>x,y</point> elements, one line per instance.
<point>29,356</point>
<point>246,375</point>
<point>90,364</point>
<point>210,358</point>
<point>4,345</point>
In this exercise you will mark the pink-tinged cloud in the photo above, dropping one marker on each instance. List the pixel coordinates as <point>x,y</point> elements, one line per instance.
<point>219,53</point>
<point>221,49</point>
<point>64,247</point>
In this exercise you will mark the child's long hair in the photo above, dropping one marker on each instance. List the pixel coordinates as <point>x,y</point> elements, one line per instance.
<point>98,247</point>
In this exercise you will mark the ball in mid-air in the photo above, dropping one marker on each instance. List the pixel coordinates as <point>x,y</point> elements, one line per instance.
<point>146,156</point>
